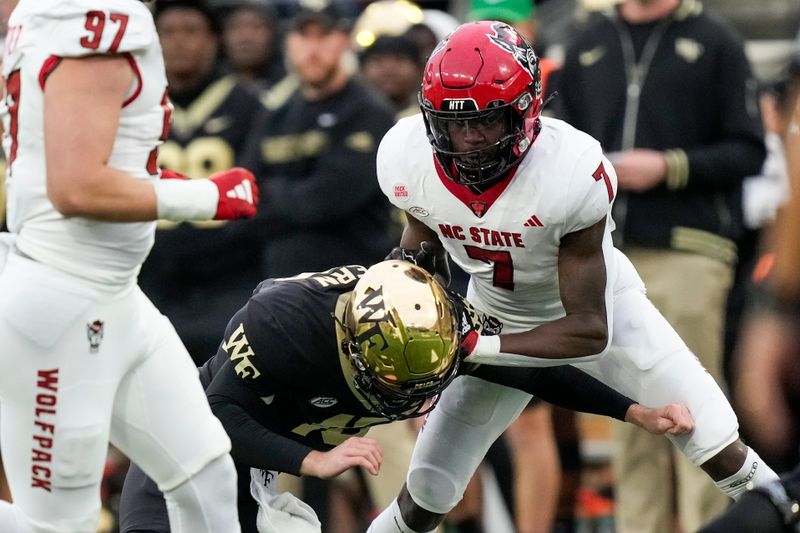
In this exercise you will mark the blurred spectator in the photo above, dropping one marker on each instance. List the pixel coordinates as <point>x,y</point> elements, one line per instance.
<point>384,17</point>
<point>522,15</point>
<point>391,65</point>
<point>435,26</point>
<point>768,378</point>
<point>251,43</point>
<point>316,157</point>
<point>762,195</point>
<point>194,263</point>
<point>667,89</point>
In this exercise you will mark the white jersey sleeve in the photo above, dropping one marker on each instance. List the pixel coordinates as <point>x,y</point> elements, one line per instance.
<point>396,153</point>
<point>592,189</point>
<point>77,28</point>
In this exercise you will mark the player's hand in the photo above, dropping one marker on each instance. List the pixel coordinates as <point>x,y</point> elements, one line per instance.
<point>167,174</point>
<point>431,256</point>
<point>355,451</point>
<point>238,194</point>
<point>672,418</point>
<point>471,323</point>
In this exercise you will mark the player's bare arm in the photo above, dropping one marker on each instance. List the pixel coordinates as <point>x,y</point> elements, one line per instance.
<point>91,92</point>
<point>415,233</point>
<point>582,281</point>
<point>83,100</point>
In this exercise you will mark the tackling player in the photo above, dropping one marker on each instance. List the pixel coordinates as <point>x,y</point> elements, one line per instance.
<point>86,357</point>
<point>311,362</point>
<point>522,203</point>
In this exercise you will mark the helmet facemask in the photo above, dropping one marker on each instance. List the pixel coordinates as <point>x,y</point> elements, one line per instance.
<point>484,165</point>
<point>400,339</point>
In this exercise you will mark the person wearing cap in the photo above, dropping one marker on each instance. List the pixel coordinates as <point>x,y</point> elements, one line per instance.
<point>315,154</point>
<point>192,263</point>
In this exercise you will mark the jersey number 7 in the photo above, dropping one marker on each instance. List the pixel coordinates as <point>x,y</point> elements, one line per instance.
<point>502,265</point>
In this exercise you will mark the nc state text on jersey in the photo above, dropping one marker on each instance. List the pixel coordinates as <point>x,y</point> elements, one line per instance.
<point>485,236</point>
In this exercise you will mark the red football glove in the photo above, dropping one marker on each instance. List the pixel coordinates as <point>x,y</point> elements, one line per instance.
<point>167,174</point>
<point>238,194</point>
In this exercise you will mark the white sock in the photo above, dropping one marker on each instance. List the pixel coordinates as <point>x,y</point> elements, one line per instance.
<point>753,473</point>
<point>391,521</point>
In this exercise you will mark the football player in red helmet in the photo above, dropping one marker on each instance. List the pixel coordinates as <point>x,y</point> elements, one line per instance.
<point>481,100</point>
<point>522,203</point>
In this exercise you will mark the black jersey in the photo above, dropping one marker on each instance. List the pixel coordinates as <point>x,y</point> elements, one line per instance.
<point>280,372</point>
<point>281,357</point>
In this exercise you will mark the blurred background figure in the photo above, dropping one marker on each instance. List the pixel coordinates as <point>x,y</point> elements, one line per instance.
<point>251,43</point>
<point>195,263</point>
<point>391,65</point>
<point>316,156</point>
<point>668,91</point>
<point>767,373</point>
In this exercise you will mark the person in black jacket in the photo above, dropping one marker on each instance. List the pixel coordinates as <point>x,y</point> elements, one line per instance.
<point>315,157</point>
<point>311,362</point>
<point>667,90</point>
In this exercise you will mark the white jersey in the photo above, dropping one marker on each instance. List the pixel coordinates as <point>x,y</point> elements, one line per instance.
<point>507,238</point>
<point>41,32</point>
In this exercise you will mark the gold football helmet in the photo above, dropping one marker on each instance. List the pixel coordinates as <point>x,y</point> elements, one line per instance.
<point>402,339</point>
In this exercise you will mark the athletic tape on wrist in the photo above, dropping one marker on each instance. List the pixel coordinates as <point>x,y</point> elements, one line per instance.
<point>186,199</point>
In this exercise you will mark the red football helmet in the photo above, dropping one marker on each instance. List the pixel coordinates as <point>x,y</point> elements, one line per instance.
<point>483,73</point>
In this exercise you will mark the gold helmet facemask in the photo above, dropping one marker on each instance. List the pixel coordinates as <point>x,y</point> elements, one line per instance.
<point>401,339</point>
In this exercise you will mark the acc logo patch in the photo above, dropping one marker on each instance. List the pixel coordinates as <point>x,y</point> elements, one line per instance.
<point>418,211</point>
<point>323,401</point>
<point>400,191</point>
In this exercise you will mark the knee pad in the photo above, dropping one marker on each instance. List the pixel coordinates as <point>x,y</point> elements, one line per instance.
<point>78,457</point>
<point>433,489</point>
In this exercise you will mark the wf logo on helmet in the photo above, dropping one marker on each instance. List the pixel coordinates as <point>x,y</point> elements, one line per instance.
<point>373,304</point>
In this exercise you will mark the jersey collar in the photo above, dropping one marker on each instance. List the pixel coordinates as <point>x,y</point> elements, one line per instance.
<point>479,204</point>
